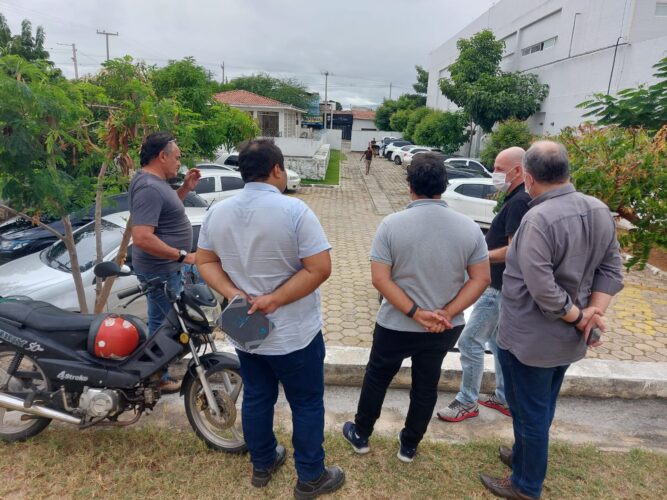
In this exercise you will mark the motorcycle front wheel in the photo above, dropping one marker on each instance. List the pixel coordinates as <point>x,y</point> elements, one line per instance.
<point>26,377</point>
<point>219,432</point>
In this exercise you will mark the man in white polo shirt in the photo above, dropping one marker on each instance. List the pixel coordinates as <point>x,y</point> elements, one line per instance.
<point>429,263</point>
<point>271,249</point>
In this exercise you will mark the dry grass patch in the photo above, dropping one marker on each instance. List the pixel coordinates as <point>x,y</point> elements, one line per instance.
<point>152,463</point>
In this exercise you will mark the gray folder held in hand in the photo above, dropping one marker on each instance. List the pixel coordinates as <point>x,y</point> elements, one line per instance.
<point>248,331</point>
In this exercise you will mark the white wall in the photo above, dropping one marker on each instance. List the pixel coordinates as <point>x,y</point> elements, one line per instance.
<point>580,62</point>
<point>361,138</point>
<point>359,124</point>
<point>334,137</point>
<point>292,146</point>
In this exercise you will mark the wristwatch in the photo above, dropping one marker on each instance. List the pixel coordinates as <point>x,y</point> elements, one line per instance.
<point>182,254</point>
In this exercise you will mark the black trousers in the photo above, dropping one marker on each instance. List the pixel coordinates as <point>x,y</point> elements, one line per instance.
<point>390,348</point>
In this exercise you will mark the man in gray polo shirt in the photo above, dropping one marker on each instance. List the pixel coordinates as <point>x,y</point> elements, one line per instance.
<point>562,269</point>
<point>430,263</point>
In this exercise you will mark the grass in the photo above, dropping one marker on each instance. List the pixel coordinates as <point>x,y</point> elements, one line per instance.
<point>151,462</point>
<point>332,176</point>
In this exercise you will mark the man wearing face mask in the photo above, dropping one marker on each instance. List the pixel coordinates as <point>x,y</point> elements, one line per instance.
<point>483,323</point>
<point>563,267</point>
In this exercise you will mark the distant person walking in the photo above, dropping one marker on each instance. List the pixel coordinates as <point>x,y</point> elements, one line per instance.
<point>374,147</point>
<point>368,157</point>
<point>562,269</point>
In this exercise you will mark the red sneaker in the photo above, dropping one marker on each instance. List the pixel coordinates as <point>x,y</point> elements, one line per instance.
<point>494,403</point>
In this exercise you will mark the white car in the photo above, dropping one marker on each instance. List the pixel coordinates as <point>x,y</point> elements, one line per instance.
<point>473,198</point>
<point>46,275</point>
<point>216,184</point>
<point>406,159</point>
<point>394,146</point>
<point>293,179</point>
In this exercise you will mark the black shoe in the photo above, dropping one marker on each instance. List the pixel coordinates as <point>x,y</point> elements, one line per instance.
<point>261,478</point>
<point>503,488</point>
<point>505,455</point>
<point>331,479</point>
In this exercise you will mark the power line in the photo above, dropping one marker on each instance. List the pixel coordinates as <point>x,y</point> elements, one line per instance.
<point>107,35</point>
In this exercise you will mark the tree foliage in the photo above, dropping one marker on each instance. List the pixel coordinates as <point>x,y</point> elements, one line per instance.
<point>508,134</point>
<point>288,90</point>
<point>389,107</point>
<point>442,129</point>
<point>627,169</point>
<point>24,44</point>
<point>487,94</point>
<point>416,116</point>
<point>643,106</point>
<point>399,120</point>
<point>421,86</point>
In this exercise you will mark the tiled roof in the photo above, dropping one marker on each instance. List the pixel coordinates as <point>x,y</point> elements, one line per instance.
<point>359,114</point>
<point>245,98</point>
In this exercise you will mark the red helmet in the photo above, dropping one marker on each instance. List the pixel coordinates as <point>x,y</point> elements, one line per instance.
<point>115,337</point>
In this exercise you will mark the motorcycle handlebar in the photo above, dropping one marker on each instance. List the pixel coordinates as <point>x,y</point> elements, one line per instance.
<point>128,293</point>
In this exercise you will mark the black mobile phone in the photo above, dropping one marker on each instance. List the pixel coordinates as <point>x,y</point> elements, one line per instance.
<point>593,336</point>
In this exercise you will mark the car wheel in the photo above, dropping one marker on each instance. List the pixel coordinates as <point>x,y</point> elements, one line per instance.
<point>397,160</point>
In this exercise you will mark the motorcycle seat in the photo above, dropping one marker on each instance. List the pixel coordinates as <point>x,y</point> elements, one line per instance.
<point>43,316</point>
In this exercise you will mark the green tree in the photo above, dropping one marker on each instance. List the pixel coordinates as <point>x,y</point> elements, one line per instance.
<point>421,86</point>
<point>508,134</point>
<point>383,114</point>
<point>43,144</point>
<point>442,129</point>
<point>643,106</point>
<point>230,126</point>
<point>5,34</point>
<point>627,169</point>
<point>289,91</point>
<point>399,119</point>
<point>486,94</point>
<point>416,116</point>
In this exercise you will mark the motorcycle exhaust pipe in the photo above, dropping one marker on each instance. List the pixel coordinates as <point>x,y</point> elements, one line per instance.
<point>14,403</point>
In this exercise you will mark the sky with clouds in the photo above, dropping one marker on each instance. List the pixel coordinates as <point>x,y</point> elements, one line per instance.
<point>365,45</point>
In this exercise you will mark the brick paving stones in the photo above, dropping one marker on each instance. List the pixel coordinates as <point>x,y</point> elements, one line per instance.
<point>350,214</point>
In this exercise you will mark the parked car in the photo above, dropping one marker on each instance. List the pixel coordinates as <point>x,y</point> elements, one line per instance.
<point>406,158</point>
<point>399,156</point>
<point>215,184</point>
<point>460,173</point>
<point>25,239</point>
<point>386,140</point>
<point>474,198</point>
<point>393,146</point>
<point>47,275</point>
<point>230,158</point>
<point>293,179</point>
<point>470,164</point>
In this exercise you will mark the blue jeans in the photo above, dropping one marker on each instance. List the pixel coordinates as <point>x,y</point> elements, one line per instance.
<point>531,393</point>
<point>158,304</point>
<point>482,327</point>
<point>301,374</point>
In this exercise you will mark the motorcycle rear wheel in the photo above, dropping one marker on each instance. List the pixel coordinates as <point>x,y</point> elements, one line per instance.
<point>223,433</point>
<point>16,425</point>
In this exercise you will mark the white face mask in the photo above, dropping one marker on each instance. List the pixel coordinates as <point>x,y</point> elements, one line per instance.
<point>499,180</point>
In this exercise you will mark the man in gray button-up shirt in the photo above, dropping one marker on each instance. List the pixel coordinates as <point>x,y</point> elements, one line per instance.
<point>563,268</point>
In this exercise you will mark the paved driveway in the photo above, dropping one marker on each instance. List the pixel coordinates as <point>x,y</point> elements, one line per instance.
<point>350,214</point>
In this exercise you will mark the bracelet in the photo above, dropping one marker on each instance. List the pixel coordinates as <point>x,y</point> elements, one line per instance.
<point>578,320</point>
<point>412,311</point>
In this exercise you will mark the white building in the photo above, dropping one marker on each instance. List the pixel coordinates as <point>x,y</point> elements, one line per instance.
<point>569,44</point>
<point>275,118</point>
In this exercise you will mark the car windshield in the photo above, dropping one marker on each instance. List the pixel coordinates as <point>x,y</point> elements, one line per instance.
<point>58,257</point>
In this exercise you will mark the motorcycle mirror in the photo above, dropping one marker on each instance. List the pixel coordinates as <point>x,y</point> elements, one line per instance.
<point>107,269</point>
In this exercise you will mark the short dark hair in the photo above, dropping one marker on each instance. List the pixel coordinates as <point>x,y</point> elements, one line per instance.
<point>427,175</point>
<point>258,158</point>
<point>547,162</point>
<point>152,146</point>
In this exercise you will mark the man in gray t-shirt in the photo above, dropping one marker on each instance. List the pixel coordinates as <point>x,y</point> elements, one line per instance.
<point>161,232</point>
<point>430,263</point>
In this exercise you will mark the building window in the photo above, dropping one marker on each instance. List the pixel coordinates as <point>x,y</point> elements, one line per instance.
<point>661,9</point>
<point>538,47</point>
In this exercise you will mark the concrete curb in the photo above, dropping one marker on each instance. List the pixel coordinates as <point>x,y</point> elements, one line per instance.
<point>586,378</point>
<point>591,378</point>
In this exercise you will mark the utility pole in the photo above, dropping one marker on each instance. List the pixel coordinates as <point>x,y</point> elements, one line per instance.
<point>326,100</point>
<point>76,66</point>
<point>223,71</point>
<point>107,35</point>
<point>390,91</point>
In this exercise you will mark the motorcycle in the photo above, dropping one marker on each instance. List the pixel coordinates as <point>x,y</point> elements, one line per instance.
<point>55,365</point>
